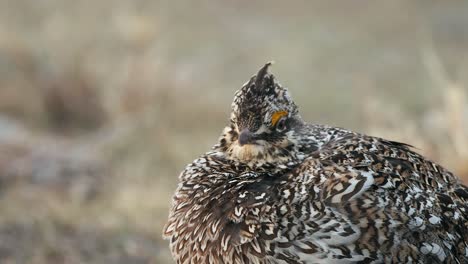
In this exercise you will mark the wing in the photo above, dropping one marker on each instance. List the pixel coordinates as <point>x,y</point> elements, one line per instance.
<point>407,207</point>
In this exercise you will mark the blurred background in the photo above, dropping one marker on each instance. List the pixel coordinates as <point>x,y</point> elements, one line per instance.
<point>102,103</point>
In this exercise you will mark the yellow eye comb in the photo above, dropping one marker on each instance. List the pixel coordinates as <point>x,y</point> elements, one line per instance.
<point>277,116</point>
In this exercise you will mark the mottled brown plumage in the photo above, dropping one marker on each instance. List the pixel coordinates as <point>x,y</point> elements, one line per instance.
<point>278,190</point>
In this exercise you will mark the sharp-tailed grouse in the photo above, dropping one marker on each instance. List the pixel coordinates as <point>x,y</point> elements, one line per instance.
<point>275,189</point>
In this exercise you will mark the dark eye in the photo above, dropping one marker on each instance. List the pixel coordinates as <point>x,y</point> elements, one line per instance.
<point>281,124</point>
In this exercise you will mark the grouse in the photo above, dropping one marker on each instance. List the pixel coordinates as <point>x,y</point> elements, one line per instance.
<point>275,189</point>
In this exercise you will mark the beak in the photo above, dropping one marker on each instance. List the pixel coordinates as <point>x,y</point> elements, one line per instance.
<point>246,137</point>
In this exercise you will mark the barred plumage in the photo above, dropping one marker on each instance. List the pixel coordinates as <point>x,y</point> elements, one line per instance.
<point>277,190</point>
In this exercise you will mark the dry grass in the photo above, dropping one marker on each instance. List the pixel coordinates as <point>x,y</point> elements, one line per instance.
<point>103,103</point>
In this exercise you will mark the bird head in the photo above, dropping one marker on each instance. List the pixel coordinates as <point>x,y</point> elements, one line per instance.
<point>263,122</point>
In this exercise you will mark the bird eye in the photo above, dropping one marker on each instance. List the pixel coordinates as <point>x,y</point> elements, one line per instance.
<point>281,124</point>
<point>277,116</point>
